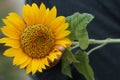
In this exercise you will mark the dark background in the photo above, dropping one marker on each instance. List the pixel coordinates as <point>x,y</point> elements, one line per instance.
<point>105,61</point>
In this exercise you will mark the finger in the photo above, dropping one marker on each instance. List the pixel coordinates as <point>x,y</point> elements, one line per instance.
<point>61,48</point>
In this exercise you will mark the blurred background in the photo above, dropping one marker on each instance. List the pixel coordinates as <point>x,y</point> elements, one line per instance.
<point>7,70</point>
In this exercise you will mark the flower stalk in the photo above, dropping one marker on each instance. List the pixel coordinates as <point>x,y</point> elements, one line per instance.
<point>108,40</point>
<point>94,41</point>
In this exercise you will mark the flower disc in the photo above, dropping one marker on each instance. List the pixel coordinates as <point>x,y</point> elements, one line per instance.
<point>37,41</point>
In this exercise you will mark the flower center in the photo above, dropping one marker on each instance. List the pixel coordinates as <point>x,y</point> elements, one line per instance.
<point>37,41</point>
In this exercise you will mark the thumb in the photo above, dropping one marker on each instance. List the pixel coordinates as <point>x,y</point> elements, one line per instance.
<point>61,48</point>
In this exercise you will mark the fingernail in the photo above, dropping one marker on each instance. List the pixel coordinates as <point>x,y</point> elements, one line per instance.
<point>61,48</point>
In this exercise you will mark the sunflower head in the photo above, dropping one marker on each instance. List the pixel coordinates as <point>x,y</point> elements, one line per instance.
<point>34,39</point>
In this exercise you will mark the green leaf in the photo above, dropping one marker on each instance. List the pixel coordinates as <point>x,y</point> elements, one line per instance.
<point>67,59</point>
<point>82,37</point>
<point>78,23</point>
<point>66,70</point>
<point>72,20</point>
<point>83,67</point>
<point>81,31</point>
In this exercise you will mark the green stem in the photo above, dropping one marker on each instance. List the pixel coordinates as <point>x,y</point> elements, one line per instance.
<point>75,46</point>
<point>108,40</point>
<point>75,43</point>
<point>94,41</point>
<point>95,48</point>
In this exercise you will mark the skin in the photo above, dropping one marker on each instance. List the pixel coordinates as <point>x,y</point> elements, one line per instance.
<point>61,48</point>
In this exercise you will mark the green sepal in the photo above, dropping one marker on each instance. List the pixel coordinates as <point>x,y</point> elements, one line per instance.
<point>83,67</point>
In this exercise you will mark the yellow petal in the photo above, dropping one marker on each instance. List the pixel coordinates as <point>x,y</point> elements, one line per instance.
<point>50,16</point>
<point>10,42</point>
<point>23,65</point>
<point>42,13</point>
<point>14,20</point>
<point>57,22</point>
<point>29,68</point>
<point>46,61</point>
<point>11,52</point>
<point>20,57</point>
<point>46,20</point>
<point>43,64</point>
<point>19,60</point>
<point>53,13</point>
<point>11,32</point>
<point>35,64</point>
<point>28,14</point>
<point>65,42</point>
<point>57,52</point>
<point>39,69</point>
<point>36,16</point>
<point>62,27</point>
<point>62,34</point>
<point>52,56</point>
<point>40,65</point>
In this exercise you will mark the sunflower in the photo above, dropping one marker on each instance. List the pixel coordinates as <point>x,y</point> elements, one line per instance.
<point>34,39</point>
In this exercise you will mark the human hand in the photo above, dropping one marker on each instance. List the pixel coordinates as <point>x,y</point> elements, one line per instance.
<point>52,64</point>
